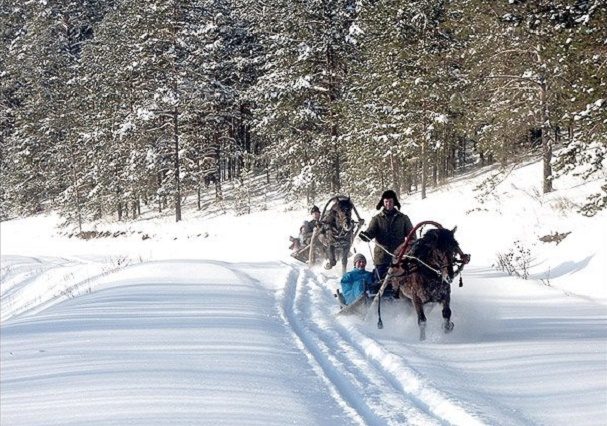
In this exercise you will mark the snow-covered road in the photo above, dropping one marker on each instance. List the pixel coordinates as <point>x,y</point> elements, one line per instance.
<point>211,342</point>
<point>162,342</point>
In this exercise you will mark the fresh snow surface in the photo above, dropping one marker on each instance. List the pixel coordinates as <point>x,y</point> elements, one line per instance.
<point>210,321</point>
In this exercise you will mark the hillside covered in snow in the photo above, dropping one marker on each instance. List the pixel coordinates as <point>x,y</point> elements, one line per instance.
<point>210,321</point>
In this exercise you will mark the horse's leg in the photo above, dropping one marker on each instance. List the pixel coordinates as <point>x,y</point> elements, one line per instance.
<point>447,324</point>
<point>344,259</point>
<point>421,317</point>
<point>315,239</point>
<point>332,255</point>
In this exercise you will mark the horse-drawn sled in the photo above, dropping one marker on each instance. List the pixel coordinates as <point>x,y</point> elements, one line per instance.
<point>333,235</point>
<point>422,269</point>
<point>421,272</point>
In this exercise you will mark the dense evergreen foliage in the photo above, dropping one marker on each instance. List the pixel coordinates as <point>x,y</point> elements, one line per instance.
<point>108,104</point>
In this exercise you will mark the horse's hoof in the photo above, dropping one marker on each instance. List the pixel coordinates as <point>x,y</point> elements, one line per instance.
<point>328,265</point>
<point>422,331</point>
<point>448,326</point>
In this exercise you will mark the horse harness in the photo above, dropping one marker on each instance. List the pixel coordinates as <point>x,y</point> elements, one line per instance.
<point>438,271</point>
<point>434,290</point>
<point>339,234</point>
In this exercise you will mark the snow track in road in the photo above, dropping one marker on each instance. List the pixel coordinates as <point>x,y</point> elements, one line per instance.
<point>375,383</point>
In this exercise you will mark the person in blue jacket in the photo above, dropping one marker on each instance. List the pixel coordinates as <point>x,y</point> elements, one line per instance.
<point>355,282</point>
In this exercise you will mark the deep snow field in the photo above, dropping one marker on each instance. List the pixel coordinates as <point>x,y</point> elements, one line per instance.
<point>210,321</point>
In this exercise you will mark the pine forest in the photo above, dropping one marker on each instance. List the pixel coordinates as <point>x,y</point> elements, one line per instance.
<point>110,105</point>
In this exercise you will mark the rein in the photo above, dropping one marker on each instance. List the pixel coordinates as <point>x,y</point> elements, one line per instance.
<point>436,271</point>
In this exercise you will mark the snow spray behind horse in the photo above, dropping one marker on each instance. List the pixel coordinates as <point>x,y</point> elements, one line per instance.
<point>336,232</point>
<point>423,272</point>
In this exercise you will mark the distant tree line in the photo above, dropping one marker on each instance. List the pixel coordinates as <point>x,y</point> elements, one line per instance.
<point>110,104</point>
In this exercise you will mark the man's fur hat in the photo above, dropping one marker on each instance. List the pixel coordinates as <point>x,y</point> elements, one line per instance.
<point>388,194</point>
<point>357,257</point>
<point>314,209</point>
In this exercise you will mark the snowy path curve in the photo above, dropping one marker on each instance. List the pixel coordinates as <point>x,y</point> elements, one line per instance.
<point>34,283</point>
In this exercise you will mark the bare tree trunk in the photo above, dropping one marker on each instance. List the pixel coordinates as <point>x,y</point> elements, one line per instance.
<point>333,132</point>
<point>424,161</point>
<point>462,155</point>
<point>396,172</point>
<point>177,172</point>
<point>159,198</point>
<point>407,180</point>
<point>546,141</point>
<point>570,132</point>
<point>435,167</point>
<point>176,117</point>
<point>76,187</point>
<point>218,178</point>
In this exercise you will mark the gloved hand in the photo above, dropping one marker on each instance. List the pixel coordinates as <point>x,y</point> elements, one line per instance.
<point>363,236</point>
<point>466,259</point>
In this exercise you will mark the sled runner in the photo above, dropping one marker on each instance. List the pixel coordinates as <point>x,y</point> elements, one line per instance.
<point>358,307</point>
<point>361,305</point>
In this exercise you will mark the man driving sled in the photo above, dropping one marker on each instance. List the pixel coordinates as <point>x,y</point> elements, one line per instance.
<point>389,228</point>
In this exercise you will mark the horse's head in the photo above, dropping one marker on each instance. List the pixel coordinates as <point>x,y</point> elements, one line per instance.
<point>439,248</point>
<point>444,240</point>
<point>343,213</point>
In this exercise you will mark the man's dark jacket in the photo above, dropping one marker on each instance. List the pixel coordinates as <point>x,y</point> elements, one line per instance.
<point>389,229</point>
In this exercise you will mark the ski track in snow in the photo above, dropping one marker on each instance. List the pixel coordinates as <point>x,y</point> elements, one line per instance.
<point>376,383</point>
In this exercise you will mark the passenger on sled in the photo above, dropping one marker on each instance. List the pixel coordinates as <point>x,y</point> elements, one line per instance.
<point>306,230</point>
<point>356,282</point>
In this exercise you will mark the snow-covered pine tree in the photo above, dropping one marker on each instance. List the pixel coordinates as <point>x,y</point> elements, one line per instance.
<point>125,160</point>
<point>228,61</point>
<point>529,64</point>
<point>154,94</point>
<point>300,105</point>
<point>44,62</point>
<point>584,139</point>
<point>166,108</point>
<point>402,90</point>
<point>17,195</point>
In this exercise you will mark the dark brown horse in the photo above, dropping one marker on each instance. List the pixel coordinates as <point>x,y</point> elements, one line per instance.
<point>337,230</point>
<point>424,274</point>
